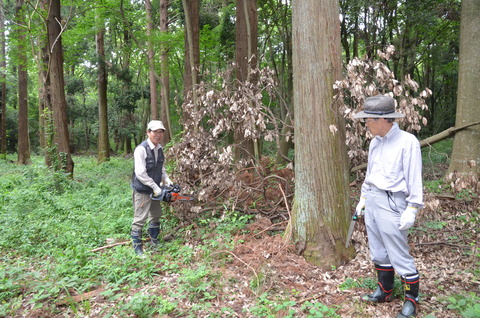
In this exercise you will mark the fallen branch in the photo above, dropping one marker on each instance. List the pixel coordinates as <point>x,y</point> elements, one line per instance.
<point>79,298</point>
<point>429,141</point>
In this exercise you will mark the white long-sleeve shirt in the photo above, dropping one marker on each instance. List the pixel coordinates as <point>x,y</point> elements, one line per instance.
<point>139,156</point>
<point>395,164</point>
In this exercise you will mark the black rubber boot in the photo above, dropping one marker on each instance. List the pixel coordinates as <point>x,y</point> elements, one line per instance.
<point>137,242</point>
<point>411,285</point>
<point>386,278</point>
<point>153,232</point>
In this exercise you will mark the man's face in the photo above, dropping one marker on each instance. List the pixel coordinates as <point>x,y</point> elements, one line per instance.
<point>155,136</point>
<point>378,126</point>
<point>373,125</point>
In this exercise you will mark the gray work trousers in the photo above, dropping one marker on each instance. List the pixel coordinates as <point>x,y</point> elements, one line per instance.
<point>144,209</point>
<point>388,245</point>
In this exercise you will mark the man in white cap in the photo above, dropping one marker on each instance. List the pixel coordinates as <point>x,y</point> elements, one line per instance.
<point>148,176</point>
<point>391,195</point>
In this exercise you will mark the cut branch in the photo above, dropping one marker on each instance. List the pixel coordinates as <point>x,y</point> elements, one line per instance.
<point>430,140</point>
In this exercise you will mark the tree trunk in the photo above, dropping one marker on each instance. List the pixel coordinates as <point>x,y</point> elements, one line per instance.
<point>59,106</point>
<point>3,89</point>
<point>320,216</point>
<point>165,78</point>
<point>192,50</point>
<point>151,63</point>
<point>246,58</point>
<point>45,126</point>
<point>23,138</point>
<point>103,137</point>
<point>466,146</point>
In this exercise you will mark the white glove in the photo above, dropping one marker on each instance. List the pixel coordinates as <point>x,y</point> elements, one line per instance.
<point>360,209</point>
<point>157,192</point>
<point>168,182</point>
<point>408,218</point>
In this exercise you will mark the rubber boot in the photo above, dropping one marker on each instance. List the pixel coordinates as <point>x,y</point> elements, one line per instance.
<point>386,278</point>
<point>137,242</point>
<point>411,285</point>
<point>153,232</point>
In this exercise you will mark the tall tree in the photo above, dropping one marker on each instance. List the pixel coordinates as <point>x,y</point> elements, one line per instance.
<point>321,208</point>
<point>103,138</point>
<point>192,48</point>
<point>23,138</point>
<point>61,137</point>
<point>466,145</point>
<point>3,83</point>
<point>164,74</point>
<point>151,62</point>
<point>246,30</point>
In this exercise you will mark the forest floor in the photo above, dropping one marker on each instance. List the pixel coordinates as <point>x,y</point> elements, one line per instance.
<point>444,243</point>
<point>261,276</point>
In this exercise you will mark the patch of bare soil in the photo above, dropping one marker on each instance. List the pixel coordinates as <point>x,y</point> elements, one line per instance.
<point>444,244</point>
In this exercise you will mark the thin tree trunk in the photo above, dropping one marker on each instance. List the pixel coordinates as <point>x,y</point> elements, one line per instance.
<point>103,137</point>
<point>246,58</point>
<point>3,80</point>
<point>192,51</point>
<point>61,137</point>
<point>165,78</point>
<point>151,63</point>
<point>23,138</point>
<point>320,215</point>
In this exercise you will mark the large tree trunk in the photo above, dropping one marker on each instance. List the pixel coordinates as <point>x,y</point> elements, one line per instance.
<point>151,63</point>
<point>320,215</point>
<point>23,138</point>
<point>165,78</point>
<point>192,51</point>
<point>3,89</point>
<point>246,30</point>
<point>59,105</point>
<point>466,146</point>
<point>103,138</point>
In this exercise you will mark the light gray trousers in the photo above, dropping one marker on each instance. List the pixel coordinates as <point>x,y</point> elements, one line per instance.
<point>388,245</point>
<point>144,209</point>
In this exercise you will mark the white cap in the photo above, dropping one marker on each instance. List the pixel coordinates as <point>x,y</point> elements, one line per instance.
<point>155,125</point>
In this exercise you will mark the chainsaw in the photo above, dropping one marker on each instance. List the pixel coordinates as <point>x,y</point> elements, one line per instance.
<point>171,194</point>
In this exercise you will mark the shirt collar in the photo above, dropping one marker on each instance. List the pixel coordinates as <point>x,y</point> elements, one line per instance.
<point>151,145</point>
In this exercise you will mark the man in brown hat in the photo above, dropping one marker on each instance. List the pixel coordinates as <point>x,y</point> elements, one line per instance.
<point>390,198</point>
<point>148,176</point>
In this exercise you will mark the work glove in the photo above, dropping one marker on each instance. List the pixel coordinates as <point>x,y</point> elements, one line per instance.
<point>408,218</point>
<point>157,192</point>
<point>360,209</point>
<point>167,182</point>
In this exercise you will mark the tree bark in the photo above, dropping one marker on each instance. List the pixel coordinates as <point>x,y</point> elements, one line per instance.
<point>192,50</point>
<point>164,74</point>
<point>151,63</point>
<point>246,58</point>
<point>23,150</point>
<point>466,145</point>
<point>320,215</point>
<point>3,89</point>
<point>59,106</point>
<point>103,137</point>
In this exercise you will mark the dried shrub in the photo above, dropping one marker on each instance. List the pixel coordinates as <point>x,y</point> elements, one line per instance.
<point>204,156</point>
<point>365,78</point>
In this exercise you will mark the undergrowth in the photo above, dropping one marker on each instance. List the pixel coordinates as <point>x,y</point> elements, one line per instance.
<point>53,223</point>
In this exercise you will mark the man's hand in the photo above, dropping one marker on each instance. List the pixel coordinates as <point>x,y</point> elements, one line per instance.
<point>408,218</point>
<point>168,182</point>
<point>157,192</point>
<point>360,209</point>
